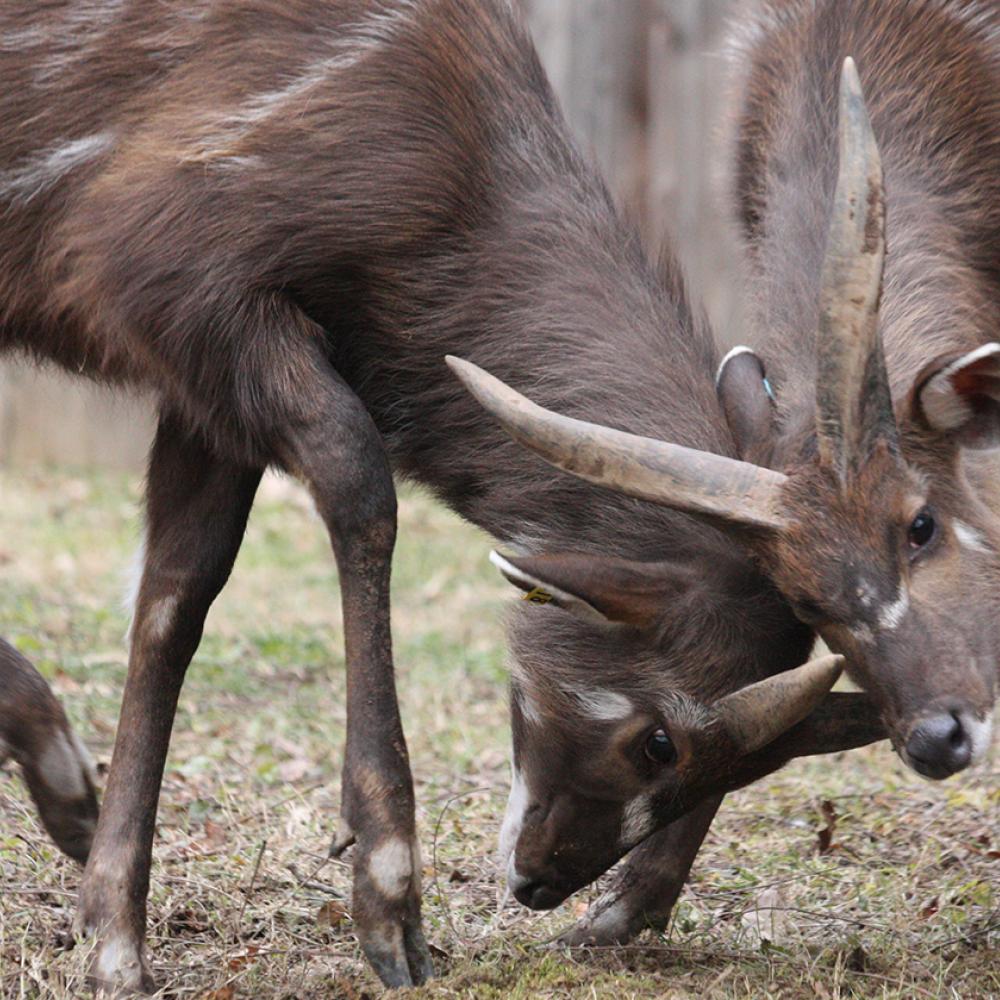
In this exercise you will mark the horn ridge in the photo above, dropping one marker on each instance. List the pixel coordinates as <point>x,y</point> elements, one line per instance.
<point>853,402</point>
<point>698,482</point>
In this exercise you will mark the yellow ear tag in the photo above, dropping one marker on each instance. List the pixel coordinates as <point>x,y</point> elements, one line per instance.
<point>538,596</point>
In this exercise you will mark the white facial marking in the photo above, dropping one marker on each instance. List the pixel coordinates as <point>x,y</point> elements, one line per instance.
<point>160,619</point>
<point>603,705</point>
<point>980,735</point>
<point>735,352</point>
<point>22,184</point>
<point>513,820</point>
<point>862,633</point>
<point>637,820</point>
<point>61,768</point>
<point>969,538</point>
<point>891,615</point>
<point>391,867</point>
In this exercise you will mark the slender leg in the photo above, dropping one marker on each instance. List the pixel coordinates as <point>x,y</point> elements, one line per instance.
<point>197,507</point>
<point>647,885</point>
<point>337,451</point>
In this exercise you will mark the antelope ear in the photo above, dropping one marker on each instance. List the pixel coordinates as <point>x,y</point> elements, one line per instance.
<point>595,587</point>
<point>748,403</point>
<point>961,396</point>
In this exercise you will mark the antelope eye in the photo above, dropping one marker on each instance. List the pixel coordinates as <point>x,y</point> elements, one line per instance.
<point>922,530</point>
<point>660,747</point>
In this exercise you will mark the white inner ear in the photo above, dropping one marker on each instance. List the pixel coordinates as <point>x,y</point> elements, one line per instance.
<point>561,598</point>
<point>735,352</point>
<point>946,409</point>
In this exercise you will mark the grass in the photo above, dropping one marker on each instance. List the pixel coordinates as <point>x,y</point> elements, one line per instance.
<point>244,901</point>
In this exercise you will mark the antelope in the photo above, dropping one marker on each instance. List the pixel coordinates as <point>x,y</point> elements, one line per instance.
<point>57,768</point>
<point>856,494</point>
<point>277,218</point>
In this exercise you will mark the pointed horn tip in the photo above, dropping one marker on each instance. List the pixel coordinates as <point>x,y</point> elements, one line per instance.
<point>850,81</point>
<point>480,383</point>
<point>458,365</point>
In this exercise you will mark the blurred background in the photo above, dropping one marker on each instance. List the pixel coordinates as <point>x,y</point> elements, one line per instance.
<point>642,83</point>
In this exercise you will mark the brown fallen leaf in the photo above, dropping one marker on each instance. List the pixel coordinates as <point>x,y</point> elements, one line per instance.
<point>238,962</point>
<point>222,993</point>
<point>213,837</point>
<point>331,914</point>
<point>824,835</point>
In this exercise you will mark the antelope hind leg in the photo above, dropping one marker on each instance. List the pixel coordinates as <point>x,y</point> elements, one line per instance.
<point>197,506</point>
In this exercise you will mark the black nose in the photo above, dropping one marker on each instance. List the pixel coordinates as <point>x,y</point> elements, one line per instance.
<point>940,745</point>
<point>538,896</point>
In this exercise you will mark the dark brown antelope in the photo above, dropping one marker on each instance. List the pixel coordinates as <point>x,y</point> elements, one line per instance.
<point>57,769</point>
<point>278,218</point>
<point>867,524</point>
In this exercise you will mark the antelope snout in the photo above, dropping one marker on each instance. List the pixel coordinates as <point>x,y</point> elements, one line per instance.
<point>533,893</point>
<point>942,744</point>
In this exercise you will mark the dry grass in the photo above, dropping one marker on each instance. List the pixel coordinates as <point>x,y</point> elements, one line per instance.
<point>244,901</point>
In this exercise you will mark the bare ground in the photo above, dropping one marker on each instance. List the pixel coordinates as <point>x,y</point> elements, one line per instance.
<point>843,877</point>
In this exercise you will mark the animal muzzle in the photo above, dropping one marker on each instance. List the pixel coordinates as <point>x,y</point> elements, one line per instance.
<point>945,742</point>
<point>536,894</point>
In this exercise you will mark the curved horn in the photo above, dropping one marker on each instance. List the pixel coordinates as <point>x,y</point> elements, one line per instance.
<point>853,405</point>
<point>695,481</point>
<point>757,715</point>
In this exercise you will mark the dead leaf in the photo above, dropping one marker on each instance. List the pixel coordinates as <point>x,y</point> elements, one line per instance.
<point>213,837</point>
<point>238,962</point>
<point>825,835</point>
<point>929,909</point>
<point>222,993</point>
<point>331,914</point>
<point>457,875</point>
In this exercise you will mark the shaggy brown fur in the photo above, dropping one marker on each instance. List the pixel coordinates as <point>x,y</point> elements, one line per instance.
<point>279,217</point>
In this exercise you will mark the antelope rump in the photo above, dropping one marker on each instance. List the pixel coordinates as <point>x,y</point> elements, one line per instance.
<point>278,217</point>
<point>858,417</point>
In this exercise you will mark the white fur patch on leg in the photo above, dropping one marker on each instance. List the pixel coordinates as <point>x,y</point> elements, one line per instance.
<point>133,581</point>
<point>159,620</point>
<point>391,867</point>
<point>118,961</point>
